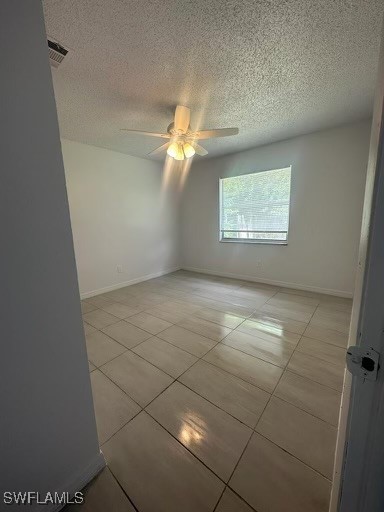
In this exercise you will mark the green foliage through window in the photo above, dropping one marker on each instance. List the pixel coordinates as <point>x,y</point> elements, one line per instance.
<point>256,206</point>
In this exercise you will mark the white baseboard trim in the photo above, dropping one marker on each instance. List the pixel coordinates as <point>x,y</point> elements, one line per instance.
<point>86,295</point>
<point>283,284</point>
<point>78,482</point>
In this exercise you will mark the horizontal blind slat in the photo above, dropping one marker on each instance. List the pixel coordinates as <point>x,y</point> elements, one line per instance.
<point>256,203</point>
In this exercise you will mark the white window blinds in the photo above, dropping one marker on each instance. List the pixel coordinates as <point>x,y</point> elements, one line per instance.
<point>255,207</point>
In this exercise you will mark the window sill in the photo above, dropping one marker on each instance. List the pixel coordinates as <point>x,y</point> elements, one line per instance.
<point>258,242</point>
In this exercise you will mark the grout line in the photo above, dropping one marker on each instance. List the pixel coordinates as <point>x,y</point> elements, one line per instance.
<point>215,405</point>
<point>125,424</point>
<point>279,380</point>
<point>271,393</point>
<point>186,447</point>
<point>292,455</point>
<point>122,488</point>
<point>239,496</point>
<point>218,501</point>
<point>261,415</point>
<point>303,410</point>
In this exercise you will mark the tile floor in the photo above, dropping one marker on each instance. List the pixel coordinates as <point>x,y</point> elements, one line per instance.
<point>214,394</point>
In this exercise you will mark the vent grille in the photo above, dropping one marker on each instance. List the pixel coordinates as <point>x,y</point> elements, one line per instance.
<point>56,53</point>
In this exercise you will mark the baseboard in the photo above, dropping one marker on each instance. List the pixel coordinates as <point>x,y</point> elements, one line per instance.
<point>283,284</point>
<point>86,295</point>
<point>77,482</point>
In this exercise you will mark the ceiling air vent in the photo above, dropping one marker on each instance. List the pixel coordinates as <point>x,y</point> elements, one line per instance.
<point>56,53</point>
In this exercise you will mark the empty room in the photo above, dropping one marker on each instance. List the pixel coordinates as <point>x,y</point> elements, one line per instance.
<point>193,196</point>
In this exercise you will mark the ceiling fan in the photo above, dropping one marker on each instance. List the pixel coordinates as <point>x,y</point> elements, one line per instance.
<point>182,141</point>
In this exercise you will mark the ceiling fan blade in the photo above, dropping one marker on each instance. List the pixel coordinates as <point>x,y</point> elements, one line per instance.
<point>182,118</point>
<point>200,150</point>
<point>151,134</point>
<point>220,132</point>
<point>159,149</point>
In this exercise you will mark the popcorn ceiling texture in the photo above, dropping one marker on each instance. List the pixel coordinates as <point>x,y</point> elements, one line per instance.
<point>273,68</point>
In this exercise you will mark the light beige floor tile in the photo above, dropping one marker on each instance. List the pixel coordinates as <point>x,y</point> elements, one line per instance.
<point>172,360</point>
<point>99,318</point>
<point>91,367</point>
<point>329,303</point>
<point>139,288</point>
<point>98,300</point>
<point>204,328</point>
<point>101,348</point>
<point>134,301</point>
<point>119,295</point>
<point>235,396</point>
<point>197,301</point>
<point>325,373</point>
<point>214,436</point>
<point>168,316</point>
<point>174,294</point>
<point>334,320</point>
<point>152,299</point>
<point>224,307</point>
<point>178,306</point>
<point>322,350</point>
<point>230,502</point>
<point>274,353</point>
<point>86,307</point>
<point>217,317</point>
<point>139,379</point>
<point>180,286</point>
<point>276,322</point>
<point>157,472</point>
<point>272,480</point>
<point>328,335</point>
<point>217,287</point>
<point>187,340</point>
<point>268,333</point>
<point>291,312</point>
<point>259,373</point>
<point>293,306</point>
<point>88,328</point>
<point>113,408</point>
<point>121,310</point>
<point>239,301</point>
<point>316,399</point>
<point>231,309</point>
<point>254,285</point>
<point>101,494</point>
<point>328,310</point>
<point>127,334</point>
<point>123,296</point>
<point>282,298</point>
<point>308,438</point>
<point>213,292</point>
<point>306,293</point>
<point>237,377</point>
<point>260,296</point>
<point>149,323</point>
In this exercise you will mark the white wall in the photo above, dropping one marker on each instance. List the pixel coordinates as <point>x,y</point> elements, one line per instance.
<point>48,439</point>
<point>121,215</point>
<point>328,180</point>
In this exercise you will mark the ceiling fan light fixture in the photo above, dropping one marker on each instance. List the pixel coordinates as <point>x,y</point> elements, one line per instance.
<point>189,150</point>
<point>179,133</point>
<point>173,149</point>
<point>180,153</point>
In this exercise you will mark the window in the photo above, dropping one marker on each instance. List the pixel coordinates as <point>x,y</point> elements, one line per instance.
<point>255,207</point>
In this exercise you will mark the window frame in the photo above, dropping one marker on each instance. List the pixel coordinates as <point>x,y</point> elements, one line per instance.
<point>252,240</point>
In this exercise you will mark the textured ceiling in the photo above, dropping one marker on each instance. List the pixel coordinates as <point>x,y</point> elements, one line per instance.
<point>273,68</point>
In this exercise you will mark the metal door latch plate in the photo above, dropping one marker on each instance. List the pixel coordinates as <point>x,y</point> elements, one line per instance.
<point>363,363</point>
